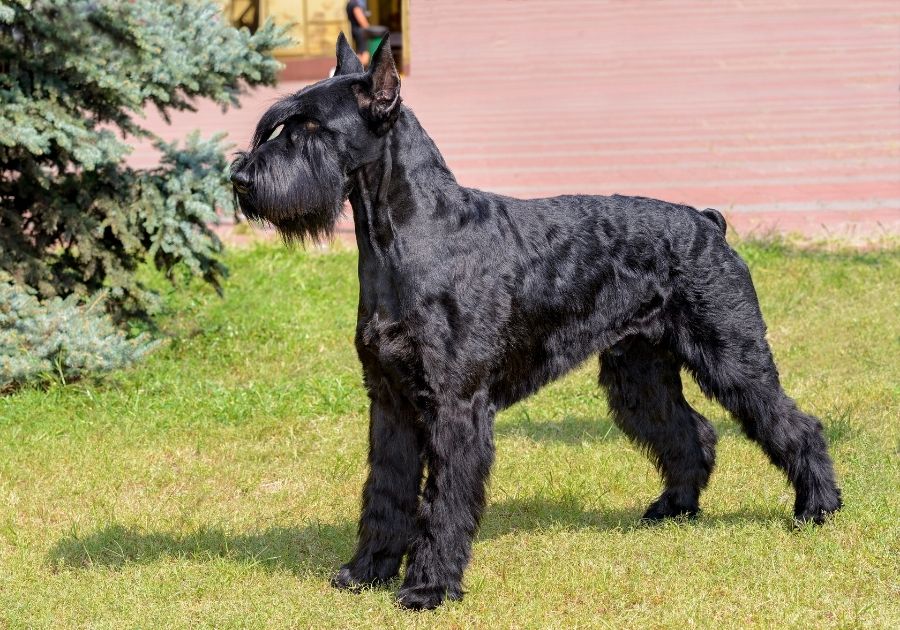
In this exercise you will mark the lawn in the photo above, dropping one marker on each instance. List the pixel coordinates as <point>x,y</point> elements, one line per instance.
<point>217,484</point>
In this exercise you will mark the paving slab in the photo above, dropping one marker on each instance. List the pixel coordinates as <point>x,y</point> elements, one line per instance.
<point>784,115</point>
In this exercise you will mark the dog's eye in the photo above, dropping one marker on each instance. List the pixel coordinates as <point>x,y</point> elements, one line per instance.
<point>310,126</point>
<point>275,133</point>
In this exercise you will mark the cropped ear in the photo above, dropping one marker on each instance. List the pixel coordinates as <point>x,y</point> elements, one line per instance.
<point>381,97</point>
<point>347,61</point>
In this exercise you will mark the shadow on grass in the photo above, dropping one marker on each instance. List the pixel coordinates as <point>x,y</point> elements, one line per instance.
<point>538,514</point>
<point>533,514</point>
<point>569,430</point>
<point>315,549</point>
<point>574,431</point>
<point>319,549</point>
<point>838,427</point>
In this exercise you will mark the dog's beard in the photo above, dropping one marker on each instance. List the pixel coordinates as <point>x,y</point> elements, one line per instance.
<point>302,195</point>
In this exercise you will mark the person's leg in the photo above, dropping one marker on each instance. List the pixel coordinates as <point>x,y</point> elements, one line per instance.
<point>361,43</point>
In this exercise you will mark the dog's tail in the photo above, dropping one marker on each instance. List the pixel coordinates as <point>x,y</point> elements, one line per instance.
<point>716,217</point>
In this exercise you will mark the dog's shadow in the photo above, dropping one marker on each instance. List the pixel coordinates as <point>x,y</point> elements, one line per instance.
<point>314,549</point>
<point>569,430</point>
<point>580,430</point>
<point>839,427</point>
<point>318,549</point>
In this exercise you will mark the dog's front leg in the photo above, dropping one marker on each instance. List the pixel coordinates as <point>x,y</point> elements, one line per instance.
<point>390,495</point>
<point>459,451</point>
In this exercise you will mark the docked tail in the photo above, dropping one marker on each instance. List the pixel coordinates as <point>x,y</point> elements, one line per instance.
<point>716,217</point>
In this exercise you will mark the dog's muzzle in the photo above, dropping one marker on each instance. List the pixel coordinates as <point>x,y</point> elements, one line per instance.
<point>241,181</point>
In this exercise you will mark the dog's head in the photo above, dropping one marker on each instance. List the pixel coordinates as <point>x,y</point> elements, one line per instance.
<point>297,172</point>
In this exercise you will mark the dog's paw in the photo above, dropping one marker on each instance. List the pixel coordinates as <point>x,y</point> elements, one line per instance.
<point>426,597</point>
<point>355,576</point>
<point>346,580</point>
<point>666,507</point>
<point>818,511</point>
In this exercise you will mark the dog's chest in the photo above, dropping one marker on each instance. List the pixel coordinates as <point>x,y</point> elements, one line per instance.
<point>385,338</point>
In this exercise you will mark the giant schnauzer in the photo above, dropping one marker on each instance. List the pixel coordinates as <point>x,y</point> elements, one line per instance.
<point>471,301</point>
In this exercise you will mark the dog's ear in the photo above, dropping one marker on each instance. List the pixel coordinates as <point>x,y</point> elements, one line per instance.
<point>347,61</point>
<point>381,96</point>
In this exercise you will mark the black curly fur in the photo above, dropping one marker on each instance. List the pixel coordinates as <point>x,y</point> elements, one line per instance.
<point>470,301</point>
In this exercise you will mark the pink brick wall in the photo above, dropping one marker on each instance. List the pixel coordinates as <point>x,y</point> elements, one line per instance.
<point>785,115</point>
<point>753,107</point>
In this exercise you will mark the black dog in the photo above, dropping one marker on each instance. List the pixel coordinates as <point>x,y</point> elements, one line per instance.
<point>471,301</point>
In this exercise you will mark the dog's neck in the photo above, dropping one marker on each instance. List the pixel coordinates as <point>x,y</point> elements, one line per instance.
<point>405,186</point>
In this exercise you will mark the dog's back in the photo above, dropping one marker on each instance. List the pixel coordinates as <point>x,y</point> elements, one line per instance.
<point>571,275</point>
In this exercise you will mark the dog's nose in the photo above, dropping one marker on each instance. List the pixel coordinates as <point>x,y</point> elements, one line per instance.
<point>241,181</point>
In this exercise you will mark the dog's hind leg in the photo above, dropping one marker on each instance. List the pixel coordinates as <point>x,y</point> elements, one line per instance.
<point>793,440</point>
<point>643,387</point>
<point>721,340</point>
<point>391,492</point>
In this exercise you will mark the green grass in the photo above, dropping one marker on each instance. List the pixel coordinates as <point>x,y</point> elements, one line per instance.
<point>218,483</point>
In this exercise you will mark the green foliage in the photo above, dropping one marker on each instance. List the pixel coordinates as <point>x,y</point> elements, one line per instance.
<point>75,77</point>
<point>59,338</point>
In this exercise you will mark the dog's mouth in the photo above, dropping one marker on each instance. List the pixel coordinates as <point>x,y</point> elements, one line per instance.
<point>298,213</point>
<point>301,196</point>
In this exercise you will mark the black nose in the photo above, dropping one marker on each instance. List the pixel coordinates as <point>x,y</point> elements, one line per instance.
<point>241,181</point>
